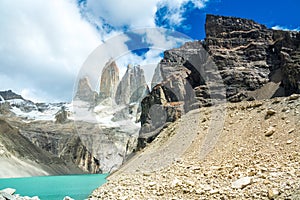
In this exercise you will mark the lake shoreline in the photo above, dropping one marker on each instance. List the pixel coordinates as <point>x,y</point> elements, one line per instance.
<point>55,187</point>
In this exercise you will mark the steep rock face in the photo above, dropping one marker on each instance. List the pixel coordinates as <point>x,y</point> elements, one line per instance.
<point>286,58</point>
<point>240,49</point>
<point>84,91</point>
<point>189,76</point>
<point>249,56</point>
<point>109,80</point>
<point>132,88</point>
<point>62,141</point>
<point>20,157</point>
<point>239,60</point>
<point>156,79</point>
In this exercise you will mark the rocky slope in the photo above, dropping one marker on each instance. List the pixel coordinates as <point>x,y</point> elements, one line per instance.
<point>48,127</point>
<point>19,157</point>
<point>254,155</point>
<point>206,145</point>
<point>60,140</point>
<point>238,60</point>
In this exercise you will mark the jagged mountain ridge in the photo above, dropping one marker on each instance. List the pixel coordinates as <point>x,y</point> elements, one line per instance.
<point>112,114</point>
<point>40,124</point>
<point>249,62</point>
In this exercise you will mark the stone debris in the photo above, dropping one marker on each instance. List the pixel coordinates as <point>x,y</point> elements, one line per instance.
<point>289,142</point>
<point>9,194</point>
<point>244,164</point>
<point>68,198</point>
<point>270,113</point>
<point>270,131</point>
<point>273,193</point>
<point>241,183</point>
<point>10,191</point>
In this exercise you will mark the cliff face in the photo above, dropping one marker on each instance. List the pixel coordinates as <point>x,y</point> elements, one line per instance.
<point>20,157</point>
<point>109,80</point>
<point>240,49</point>
<point>132,88</point>
<point>239,60</point>
<point>62,141</point>
<point>249,56</point>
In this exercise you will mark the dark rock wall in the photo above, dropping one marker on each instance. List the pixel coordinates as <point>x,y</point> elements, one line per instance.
<point>239,60</point>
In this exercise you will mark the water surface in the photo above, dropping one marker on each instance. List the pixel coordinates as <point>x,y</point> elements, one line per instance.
<point>55,187</point>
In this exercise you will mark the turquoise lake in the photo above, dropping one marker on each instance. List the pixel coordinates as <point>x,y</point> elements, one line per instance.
<point>78,187</point>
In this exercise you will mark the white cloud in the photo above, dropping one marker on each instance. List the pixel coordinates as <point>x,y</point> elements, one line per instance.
<point>138,13</point>
<point>278,27</point>
<point>119,13</point>
<point>44,42</point>
<point>176,8</point>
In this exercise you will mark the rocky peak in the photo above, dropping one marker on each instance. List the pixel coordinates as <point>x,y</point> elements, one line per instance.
<point>238,60</point>
<point>220,26</point>
<point>84,91</point>
<point>133,87</point>
<point>9,95</point>
<point>109,80</point>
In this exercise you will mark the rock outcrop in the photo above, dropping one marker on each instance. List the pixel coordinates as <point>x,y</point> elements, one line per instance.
<point>8,95</point>
<point>84,91</point>
<point>250,56</point>
<point>108,126</point>
<point>156,79</point>
<point>133,87</point>
<point>109,80</point>
<point>239,60</point>
<point>10,193</point>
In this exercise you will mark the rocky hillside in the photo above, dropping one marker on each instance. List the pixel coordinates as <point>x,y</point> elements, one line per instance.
<point>48,126</point>
<point>238,60</point>
<point>254,155</point>
<point>19,157</point>
<point>220,122</point>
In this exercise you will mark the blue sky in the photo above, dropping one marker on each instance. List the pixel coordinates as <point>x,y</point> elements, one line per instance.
<point>271,13</point>
<point>43,44</point>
